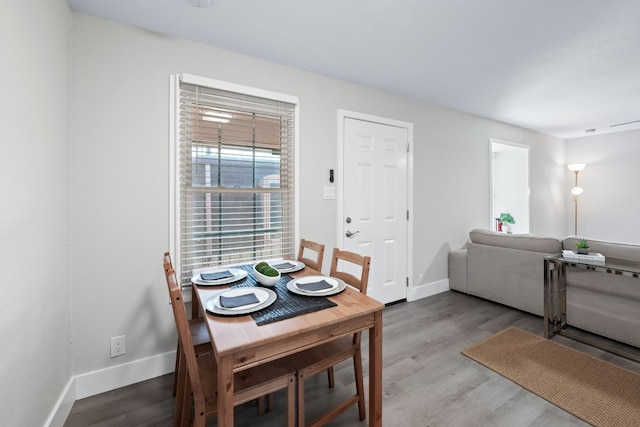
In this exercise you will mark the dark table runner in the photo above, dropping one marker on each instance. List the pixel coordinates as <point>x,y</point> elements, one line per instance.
<point>287,304</point>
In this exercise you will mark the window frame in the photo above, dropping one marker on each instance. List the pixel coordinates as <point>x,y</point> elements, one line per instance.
<point>174,150</point>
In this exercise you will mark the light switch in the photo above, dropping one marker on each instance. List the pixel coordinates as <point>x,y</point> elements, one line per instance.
<point>329,193</point>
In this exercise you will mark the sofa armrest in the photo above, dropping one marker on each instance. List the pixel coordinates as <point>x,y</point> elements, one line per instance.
<point>458,270</point>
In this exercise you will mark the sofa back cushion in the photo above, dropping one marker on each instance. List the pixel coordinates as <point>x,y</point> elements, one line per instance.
<point>608,249</point>
<point>525,242</point>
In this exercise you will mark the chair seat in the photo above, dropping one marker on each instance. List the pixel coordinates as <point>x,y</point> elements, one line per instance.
<point>200,335</point>
<point>248,384</point>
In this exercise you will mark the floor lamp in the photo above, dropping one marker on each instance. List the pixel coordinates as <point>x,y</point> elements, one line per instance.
<point>576,191</point>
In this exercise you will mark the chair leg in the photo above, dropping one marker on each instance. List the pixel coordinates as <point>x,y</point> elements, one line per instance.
<point>266,403</point>
<point>180,381</point>
<point>176,369</point>
<point>300,403</point>
<point>357,367</point>
<point>271,399</point>
<point>291,402</point>
<point>330,377</point>
<point>187,403</point>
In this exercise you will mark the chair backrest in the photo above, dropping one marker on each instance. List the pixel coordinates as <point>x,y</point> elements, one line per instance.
<point>313,246</point>
<point>168,265</point>
<point>364,262</point>
<point>360,283</point>
<point>186,342</point>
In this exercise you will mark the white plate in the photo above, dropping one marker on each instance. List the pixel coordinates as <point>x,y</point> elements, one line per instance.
<point>265,296</point>
<point>238,274</point>
<point>339,286</point>
<point>297,265</point>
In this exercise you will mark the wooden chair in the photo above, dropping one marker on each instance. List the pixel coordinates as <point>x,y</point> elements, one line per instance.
<point>199,333</point>
<point>324,357</point>
<point>199,387</point>
<point>313,246</point>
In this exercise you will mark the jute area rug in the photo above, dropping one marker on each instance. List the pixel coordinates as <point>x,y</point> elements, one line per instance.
<point>593,390</point>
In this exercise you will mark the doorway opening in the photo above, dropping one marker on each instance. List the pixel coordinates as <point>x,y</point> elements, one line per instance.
<point>509,185</point>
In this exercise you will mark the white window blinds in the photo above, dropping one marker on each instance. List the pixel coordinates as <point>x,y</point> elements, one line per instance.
<point>236,178</point>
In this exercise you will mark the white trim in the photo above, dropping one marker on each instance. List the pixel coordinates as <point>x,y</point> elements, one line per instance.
<point>234,87</point>
<point>342,115</point>
<point>107,379</point>
<point>296,178</point>
<point>427,289</point>
<point>63,406</point>
<point>174,138</point>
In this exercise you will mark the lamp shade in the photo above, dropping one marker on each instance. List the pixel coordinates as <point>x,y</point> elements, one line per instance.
<point>576,167</point>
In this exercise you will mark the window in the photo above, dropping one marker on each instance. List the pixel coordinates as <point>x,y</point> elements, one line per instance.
<point>235,175</point>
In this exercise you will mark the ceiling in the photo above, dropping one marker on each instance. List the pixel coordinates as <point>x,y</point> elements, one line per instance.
<point>557,67</point>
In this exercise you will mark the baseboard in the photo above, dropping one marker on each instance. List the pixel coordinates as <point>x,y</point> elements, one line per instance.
<point>63,406</point>
<point>427,289</point>
<point>97,382</point>
<point>108,379</point>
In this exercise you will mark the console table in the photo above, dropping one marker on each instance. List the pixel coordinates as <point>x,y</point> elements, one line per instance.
<point>555,298</point>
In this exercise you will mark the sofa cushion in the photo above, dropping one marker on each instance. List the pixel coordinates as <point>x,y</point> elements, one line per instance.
<point>525,242</point>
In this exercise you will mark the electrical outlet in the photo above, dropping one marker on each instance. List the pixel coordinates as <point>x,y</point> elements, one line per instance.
<point>118,346</point>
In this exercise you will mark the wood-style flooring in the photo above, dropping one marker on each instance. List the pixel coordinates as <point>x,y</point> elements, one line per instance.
<point>427,382</point>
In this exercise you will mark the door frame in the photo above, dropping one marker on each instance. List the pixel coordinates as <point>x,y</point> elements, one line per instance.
<point>340,227</point>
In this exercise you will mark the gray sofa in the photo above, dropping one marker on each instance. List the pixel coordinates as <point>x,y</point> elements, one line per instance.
<point>509,269</point>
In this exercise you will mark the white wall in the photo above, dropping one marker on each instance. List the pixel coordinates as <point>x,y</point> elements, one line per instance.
<point>119,174</point>
<point>35,359</point>
<point>608,208</point>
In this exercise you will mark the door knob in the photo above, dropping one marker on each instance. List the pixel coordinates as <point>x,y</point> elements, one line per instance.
<point>350,234</point>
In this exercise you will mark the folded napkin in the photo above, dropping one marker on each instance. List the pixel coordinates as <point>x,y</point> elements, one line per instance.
<point>216,275</point>
<point>238,301</point>
<point>314,286</point>
<point>283,266</point>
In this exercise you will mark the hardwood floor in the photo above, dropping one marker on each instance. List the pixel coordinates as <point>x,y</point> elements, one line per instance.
<point>427,382</point>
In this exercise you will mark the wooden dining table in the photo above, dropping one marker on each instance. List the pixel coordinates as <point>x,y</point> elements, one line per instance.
<point>239,343</point>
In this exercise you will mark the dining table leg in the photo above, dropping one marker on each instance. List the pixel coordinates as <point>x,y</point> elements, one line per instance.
<point>375,371</point>
<point>225,391</point>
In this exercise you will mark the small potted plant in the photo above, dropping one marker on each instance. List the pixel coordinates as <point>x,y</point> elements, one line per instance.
<point>582,247</point>
<point>506,220</point>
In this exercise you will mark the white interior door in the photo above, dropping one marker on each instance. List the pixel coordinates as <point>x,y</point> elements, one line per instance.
<point>374,199</point>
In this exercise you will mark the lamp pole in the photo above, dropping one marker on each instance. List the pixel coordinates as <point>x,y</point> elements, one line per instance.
<point>576,191</point>
<point>575,207</point>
